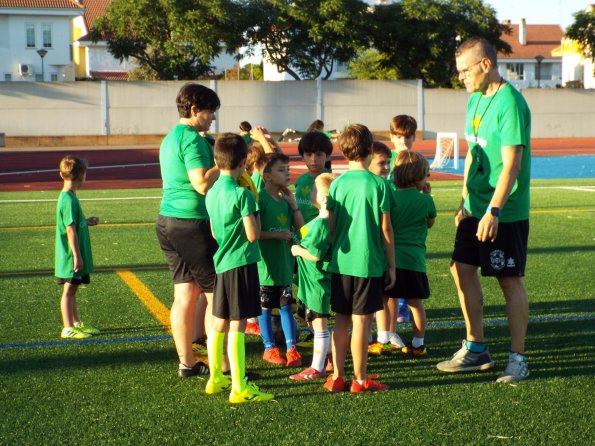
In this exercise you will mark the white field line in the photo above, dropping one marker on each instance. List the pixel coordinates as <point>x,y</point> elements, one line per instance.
<point>119,166</point>
<point>81,199</point>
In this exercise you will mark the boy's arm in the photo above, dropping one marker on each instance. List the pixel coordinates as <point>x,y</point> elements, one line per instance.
<point>431,222</point>
<point>263,136</point>
<point>73,242</point>
<point>297,220</point>
<point>203,179</point>
<point>300,251</point>
<point>252,227</point>
<point>388,239</point>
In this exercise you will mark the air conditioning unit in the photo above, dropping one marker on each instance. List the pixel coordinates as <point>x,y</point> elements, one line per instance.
<point>25,69</point>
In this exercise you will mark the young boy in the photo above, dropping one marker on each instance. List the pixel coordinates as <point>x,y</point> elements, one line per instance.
<point>414,212</point>
<point>387,339</point>
<point>315,148</point>
<point>73,257</point>
<point>363,251</point>
<point>313,255</point>
<point>236,229</point>
<point>279,216</point>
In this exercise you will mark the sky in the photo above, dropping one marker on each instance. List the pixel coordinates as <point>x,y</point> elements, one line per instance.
<point>539,12</point>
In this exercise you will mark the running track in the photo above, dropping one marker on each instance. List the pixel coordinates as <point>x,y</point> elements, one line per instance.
<point>118,168</point>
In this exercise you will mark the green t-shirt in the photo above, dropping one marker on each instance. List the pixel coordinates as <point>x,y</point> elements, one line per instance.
<point>227,204</point>
<point>258,181</point>
<point>357,200</point>
<point>69,212</point>
<point>393,158</point>
<point>183,149</point>
<point>276,265</point>
<point>303,190</point>
<point>314,284</point>
<point>409,217</point>
<point>506,122</point>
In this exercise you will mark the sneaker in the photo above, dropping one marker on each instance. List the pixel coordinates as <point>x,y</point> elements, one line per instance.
<point>403,311</point>
<point>200,368</point>
<point>199,346</point>
<point>335,385</point>
<point>515,371</point>
<point>378,348</point>
<point>220,385</point>
<point>273,356</point>
<point>294,359</point>
<point>87,329</point>
<point>250,394</point>
<point>309,373</point>
<point>74,333</point>
<point>396,341</point>
<point>467,361</point>
<point>252,328</point>
<point>248,376</point>
<point>368,386</point>
<point>416,352</point>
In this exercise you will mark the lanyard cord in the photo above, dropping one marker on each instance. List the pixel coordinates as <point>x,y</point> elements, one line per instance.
<point>476,128</point>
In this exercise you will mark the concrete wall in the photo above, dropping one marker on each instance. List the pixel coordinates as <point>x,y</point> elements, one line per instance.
<point>135,109</point>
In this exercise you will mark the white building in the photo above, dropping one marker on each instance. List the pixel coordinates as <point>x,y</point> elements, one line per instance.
<point>35,39</point>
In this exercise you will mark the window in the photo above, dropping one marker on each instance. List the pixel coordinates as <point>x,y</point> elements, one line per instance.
<point>30,35</point>
<point>515,71</point>
<point>38,77</point>
<point>46,34</point>
<point>7,77</point>
<point>544,72</point>
<point>54,77</point>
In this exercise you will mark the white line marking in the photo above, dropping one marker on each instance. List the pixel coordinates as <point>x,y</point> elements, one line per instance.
<point>82,199</point>
<point>119,166</point>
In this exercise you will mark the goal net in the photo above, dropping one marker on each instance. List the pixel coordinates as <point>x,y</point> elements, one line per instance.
<point>447,147</point>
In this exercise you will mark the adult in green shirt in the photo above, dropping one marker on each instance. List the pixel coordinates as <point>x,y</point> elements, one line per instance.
<point>493,219</point>
<point>188,171</point>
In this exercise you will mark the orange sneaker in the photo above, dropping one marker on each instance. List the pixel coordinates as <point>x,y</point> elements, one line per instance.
<point>252,328</point>
<point>335,385</point>
<point>309,373</point>
<point>273,356</point>
<point>294,359</point>
<point>367,386</point>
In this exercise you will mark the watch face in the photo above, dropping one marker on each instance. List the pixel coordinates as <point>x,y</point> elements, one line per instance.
<point>495,212</point>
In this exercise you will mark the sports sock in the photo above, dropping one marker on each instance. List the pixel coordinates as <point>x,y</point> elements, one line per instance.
<point>475,347</point>
<point>322,343</point>
<point>215,351</point>
<point>512,356</point>
<point>288,325</point>
<point>383,337</point>
<point>236,351</point>
<point>265,320</point>
<point>417,342</point>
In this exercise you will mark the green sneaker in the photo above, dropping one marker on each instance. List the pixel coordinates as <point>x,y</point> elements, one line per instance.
<point>250,394</point>
<point>220,385</point>
<point>87,329</point>
<point>74,333</point>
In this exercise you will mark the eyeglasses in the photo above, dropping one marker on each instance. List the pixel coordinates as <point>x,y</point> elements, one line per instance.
<point>465,72</point>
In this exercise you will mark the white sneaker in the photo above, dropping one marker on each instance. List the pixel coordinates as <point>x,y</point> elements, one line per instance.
<point>515,371</point>
<point>396,340</point>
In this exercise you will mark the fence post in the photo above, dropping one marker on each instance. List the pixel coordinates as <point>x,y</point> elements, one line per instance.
<point>104,109</point>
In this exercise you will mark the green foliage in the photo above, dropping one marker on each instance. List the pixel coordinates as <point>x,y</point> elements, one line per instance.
<point>372,65</point>
<point>583,31</point>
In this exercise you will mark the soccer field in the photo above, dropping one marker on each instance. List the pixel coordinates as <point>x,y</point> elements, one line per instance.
<point>121,387</point>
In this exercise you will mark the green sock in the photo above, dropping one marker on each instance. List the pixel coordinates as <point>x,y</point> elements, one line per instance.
<point>236,351</point>
<point>215,349</point>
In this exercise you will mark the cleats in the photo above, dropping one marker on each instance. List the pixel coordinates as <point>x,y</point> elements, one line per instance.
<point>396,341</point>
<point>219,385</point>
<point>334,385</point>
<point>252,328</point>
<point>378,348</point>
<point>250,394</point>
<point>466,361</point>
<point>74,333</point>
<point>415,352</point>
<point>309,373</point>
<point>199,347</point>
<point>294,359</point>
<point>368,386</point>
<point>273,356</point>
<point>85,328</point>
<point>198,369</point>
<point>515,371</point>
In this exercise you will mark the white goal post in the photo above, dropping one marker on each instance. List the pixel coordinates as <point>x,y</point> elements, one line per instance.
<point>447,146</point>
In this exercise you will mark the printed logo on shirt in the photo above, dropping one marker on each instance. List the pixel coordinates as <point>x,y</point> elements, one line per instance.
<point>497,259</point>
<point>282,219</point>
<point>305,191</point>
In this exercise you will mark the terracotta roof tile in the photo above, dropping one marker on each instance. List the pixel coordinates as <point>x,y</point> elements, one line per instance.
<point>109,75</point>
<point>93,10</point>
<point>541,39</point>
<point>43,4</point>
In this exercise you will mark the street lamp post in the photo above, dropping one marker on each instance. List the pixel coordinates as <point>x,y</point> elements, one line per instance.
<point>42,52</point>
<point>539,58</point>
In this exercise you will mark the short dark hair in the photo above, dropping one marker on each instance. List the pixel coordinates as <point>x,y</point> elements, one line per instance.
<point>313,142</point>
<point>356,142</point>
<point>379,148</point>
<point>245,126</point>
<point>230,150</point>
<point>403,125</point>
<point>410,168</point>
<point>483,48</point>
<point>270,159</point>
<point>316,126</point>
<point>198,95</point>
<point>73,168</point>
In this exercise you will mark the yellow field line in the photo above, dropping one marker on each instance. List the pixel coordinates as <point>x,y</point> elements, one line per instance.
<point>538,211</point>
<point>148,299</point>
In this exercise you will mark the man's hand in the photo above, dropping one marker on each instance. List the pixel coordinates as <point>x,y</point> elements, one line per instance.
<point>487,228</point>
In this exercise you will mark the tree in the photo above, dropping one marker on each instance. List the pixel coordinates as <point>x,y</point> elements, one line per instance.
<point>306,38</point>
<point>171,38</point>
<point>372,65</point>
<point>583,32</point>
<point>418,38</point>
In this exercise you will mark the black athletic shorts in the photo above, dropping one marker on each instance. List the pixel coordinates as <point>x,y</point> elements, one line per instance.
<point>410,285</point>
<point>356,295</point>
<point>189,248</point>
<point>236,294</point>
<point>275,296</point>
<point>506,257</point>
<point>77,280</point>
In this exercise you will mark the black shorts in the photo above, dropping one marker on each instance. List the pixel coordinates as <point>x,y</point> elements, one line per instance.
<point>410,285</point>
<point>356,295</point>
<point>275,296</point>
<point>77,280</point>
<point>189,248</point>
<point>236,294</point>
<point>506,257</point>
<point>311,315</point>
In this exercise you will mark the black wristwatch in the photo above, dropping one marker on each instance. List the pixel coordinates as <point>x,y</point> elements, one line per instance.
<point>494,211</point>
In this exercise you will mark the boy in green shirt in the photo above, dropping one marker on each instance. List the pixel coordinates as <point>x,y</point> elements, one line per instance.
<point>73,257</point>
<point>234,224</point>
<point>363,251</point>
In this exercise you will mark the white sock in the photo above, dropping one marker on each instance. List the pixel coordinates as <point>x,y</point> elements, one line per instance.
<point>322,343</point>
<point>383,337</point>
<point>516,357</point>
<point>417,342</point>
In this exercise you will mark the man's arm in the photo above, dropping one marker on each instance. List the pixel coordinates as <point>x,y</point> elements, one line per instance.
<point>460,212</point>
<point>203,179</point>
